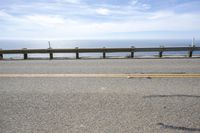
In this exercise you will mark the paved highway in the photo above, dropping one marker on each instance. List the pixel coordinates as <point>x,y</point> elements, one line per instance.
<point>101,66</point>
<point>99,105</point>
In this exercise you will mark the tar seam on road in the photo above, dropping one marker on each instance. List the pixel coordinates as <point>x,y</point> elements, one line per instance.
<point>178,128</point>
<point>99,75</point>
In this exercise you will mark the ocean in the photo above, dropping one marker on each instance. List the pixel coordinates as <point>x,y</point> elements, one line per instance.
<point>36,44</point>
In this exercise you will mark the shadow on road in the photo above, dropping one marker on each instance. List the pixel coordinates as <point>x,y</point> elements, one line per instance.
<point>160,96</point>
<point>177,128</point>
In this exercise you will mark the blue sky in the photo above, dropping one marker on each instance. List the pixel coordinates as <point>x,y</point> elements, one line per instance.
<point>103,19</point>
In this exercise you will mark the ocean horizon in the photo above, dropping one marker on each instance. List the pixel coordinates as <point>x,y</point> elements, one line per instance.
<point>19,44</point>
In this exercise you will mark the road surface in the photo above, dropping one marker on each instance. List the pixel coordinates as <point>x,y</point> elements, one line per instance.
<point>99,104</point>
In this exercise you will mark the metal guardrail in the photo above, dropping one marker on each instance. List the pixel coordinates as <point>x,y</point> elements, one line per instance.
<point>104,50</point>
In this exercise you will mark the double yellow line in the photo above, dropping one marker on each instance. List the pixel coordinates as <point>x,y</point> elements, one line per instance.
<point>100,75</point>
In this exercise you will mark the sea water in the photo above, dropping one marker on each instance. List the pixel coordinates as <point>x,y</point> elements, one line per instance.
<point>43,44</point>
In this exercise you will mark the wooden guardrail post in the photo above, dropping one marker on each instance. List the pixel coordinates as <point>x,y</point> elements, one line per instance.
<point>1,55</point>
<point>77,53</point>
<point>161,52</point>
<point>190,52</point>
<point>104,53</point>
<point>50,52</point>
<point>51,55</point>
<point>25,53</point>
<point>132,51</point>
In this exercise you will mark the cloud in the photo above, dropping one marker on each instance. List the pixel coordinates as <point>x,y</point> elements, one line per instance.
<point>4,15</point>
<point>70,1</point>
<point>162,14</point>
<point>45,26</point>
<point>45,20</point>
<point>138,5</point>
<point>146,6</point>
<point>74,19</point>
<point>103,11</point>
<point>133,2</point>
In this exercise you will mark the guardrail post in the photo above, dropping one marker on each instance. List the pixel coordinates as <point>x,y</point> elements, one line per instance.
<point>50,53</point>
<point>25,53</point>
<point>104,53</point>
<point>190,51</point>
<point>1,55</point>
<point>77,53</point>
<point>132,51</point>
<point>161,52</point>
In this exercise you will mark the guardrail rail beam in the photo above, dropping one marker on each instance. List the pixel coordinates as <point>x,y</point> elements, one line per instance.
<point>103,50</point>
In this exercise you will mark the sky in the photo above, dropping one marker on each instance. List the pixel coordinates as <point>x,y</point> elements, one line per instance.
<point>99,19</point>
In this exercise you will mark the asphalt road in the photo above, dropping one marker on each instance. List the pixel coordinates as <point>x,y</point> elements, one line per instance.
<point>102,66</point>
<point>100,105</point>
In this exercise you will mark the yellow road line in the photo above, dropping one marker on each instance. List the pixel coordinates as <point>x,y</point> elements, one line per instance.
<point>99,75</point>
